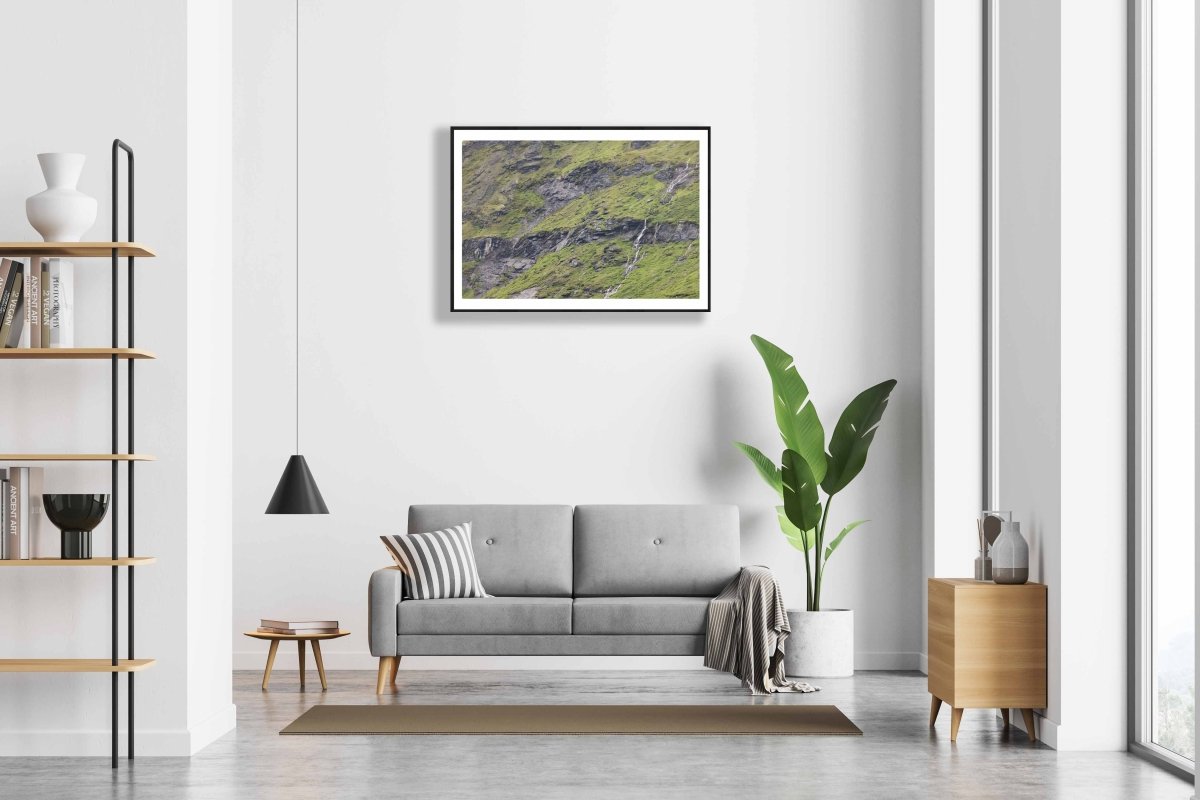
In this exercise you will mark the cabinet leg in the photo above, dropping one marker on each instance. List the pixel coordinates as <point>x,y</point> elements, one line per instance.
<point>385,670</point>
<point>1004,713</point>
<point>300,650</point>
<point>270,663</point>
<point>935,705</point>
<point>316,646</point>
<point>1027,714</point>
<point>955,719</point>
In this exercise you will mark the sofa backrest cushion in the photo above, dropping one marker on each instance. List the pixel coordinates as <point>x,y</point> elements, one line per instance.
<point>655,550</point>
<point>520,551</point>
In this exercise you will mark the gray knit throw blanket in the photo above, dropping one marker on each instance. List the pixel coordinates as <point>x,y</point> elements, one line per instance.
<point>747,629</point>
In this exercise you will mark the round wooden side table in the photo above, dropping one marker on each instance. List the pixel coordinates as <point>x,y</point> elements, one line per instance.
<point>299,639</point>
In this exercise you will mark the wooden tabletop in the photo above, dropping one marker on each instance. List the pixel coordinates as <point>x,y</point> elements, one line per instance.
<point>288,636</point>
<point>972,583</point>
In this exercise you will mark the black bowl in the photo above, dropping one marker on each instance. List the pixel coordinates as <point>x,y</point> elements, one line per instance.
<point>75,512</point>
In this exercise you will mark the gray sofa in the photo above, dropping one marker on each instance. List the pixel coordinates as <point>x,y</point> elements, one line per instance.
<point>588,580</point>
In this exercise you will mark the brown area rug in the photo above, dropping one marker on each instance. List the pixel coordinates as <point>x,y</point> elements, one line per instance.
<point>739,720</point>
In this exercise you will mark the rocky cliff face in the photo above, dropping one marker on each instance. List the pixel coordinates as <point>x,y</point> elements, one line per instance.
<point>580,219</point>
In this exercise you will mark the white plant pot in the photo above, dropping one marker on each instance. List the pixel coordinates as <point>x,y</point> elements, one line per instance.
<point>821,644</point>
<point>61,213</point>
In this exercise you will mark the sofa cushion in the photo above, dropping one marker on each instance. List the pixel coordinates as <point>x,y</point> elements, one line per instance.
<point>639,615</point>
<point>519,550</point>
<point>485,615</point>
<point>654,550</point>
<point>437,564</point>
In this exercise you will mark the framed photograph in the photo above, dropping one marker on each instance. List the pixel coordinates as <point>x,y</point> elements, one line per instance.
<point>580,219</point>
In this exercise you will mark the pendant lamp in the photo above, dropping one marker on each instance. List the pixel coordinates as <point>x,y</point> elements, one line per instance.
<point>297,491</point>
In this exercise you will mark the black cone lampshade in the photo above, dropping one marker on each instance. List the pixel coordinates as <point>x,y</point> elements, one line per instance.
<point>297,492</point>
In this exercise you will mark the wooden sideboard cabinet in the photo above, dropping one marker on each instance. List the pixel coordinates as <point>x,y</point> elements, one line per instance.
<point>987,648</point>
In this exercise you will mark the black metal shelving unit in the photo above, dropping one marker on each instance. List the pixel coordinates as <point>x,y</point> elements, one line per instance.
<point>117,148</point>
<point>116,249</point>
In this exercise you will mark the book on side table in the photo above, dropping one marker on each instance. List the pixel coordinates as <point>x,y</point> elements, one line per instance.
<point>297,627</point>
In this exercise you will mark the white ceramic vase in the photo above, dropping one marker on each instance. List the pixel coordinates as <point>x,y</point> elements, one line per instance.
<point>1010,555</point>
<point>821,644</point>
<point>61,213</point>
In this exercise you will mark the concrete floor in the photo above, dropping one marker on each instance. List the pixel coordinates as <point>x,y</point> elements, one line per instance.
<point>898,756</point>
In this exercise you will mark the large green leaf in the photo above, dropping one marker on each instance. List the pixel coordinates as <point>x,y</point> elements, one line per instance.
<point>838,539</point>
<point>801,540</point>
<point>766,467</point>
<point>853,435</point>
<point>801,502</point>
<point>795,414</point>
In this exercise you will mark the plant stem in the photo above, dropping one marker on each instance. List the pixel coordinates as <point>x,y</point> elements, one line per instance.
<point>808,582</point>
<point>820,567</point>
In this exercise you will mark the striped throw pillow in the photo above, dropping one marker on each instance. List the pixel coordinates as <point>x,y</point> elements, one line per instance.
<point>437,565</point>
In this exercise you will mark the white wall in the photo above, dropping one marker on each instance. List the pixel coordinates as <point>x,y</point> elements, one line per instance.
<point>1062,371</point>
<point>815,109</point>
<point>91,85</point>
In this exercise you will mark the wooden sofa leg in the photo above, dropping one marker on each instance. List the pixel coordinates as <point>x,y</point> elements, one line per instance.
<point>395,669</point>
<point>387,670</point>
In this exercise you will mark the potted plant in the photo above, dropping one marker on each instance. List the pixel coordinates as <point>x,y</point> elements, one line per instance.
<point>822,640</point>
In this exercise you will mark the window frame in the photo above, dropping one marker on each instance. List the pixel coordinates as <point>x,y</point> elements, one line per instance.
<point>1141,423</point>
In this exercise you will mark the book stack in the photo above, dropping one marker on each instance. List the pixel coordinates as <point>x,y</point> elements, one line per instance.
<point>37,303</point>
<point>297,628</point>
<point>22,531</point>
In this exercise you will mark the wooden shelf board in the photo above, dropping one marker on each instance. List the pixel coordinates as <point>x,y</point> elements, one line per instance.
<point>74,249</point>
<point>78,353</point>
<point>74,664</point>
<point>5,457</point>
<point>126,561</point>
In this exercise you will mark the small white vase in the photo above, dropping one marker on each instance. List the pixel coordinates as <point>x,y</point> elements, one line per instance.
<point>1010,555</point>
<point>821,644</point>
<point>61,213</point>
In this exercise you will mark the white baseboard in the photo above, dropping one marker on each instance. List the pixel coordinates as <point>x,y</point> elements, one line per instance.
<point>923,663</point>
<point>886,660</point>
<point>211,729</point>
<point>160,743</point>
<point>363,660</point>
<point>1047,728</point>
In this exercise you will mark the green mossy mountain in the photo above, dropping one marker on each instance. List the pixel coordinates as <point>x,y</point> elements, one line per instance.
<point>562,219</point>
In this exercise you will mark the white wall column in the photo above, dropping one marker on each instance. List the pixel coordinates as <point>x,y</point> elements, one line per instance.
<point>952,288</point>
<point>1062,341</point>
<point>210,282</point>
<point>1094,532</point>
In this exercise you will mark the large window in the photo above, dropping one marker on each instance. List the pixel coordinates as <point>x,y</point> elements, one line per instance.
<point>1164,189</point>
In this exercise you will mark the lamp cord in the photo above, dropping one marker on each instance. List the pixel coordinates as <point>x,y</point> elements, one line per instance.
<point>297,227</point>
